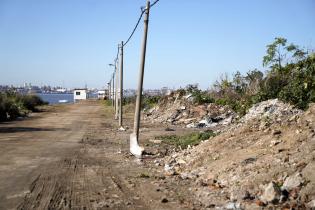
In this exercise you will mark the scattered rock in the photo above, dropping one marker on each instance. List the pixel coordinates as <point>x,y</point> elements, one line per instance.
<point>181,161</point>
<point>311,204</point>
<point>292,182</point>
<point>169,129</point>
<point>164,200</point>
<point>276,132</point>
<point>271,193</point>
<point>249,160</point>
<point>275,142</point>
<point>155,141</point>
<point>232,205</point>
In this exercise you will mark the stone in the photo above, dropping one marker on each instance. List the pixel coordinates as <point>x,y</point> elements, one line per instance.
<point>293,118</point>
<point>271,193</point>
<point>187,176</point>
<point>249,160</point>
<point>164,200</point>
<point>232,205</point>
<point>155,141</point>
<point>167,167</point>
<point>240,194</point>
<point>181,161</point>
<point>292,182</point>
<point>169,129</point>
<point>275,142</point>
<point>311,204</point>
<point>227,120</point>
<point>206,121</point>
<point>191,125</point>
<point>276,132</point>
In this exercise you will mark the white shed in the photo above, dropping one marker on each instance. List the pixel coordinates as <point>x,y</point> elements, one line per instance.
<point>80,94</point>
<point>101,94</point>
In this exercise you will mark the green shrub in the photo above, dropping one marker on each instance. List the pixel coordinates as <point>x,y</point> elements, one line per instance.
<point>13,105</point>
<point>129,100</point>
<point>30,102</point>
<point>150,101</point>
<point>200,97</point>
<point>293,82</point>
<point>189,139</point>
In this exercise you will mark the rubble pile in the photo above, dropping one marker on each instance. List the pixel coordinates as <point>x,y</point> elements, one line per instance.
<point>248,168</point>
<point>263,115</point>
<point>181,110</point>
<point>272,109</point>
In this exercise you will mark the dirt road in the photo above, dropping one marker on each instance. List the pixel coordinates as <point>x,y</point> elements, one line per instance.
<point>73,157</point>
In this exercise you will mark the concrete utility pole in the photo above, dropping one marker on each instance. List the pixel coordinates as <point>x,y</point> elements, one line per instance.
<point>121,83</point>
<point>135,149</point>
<point>116,92</point>
<point>109,90</point>
<point>113,89</point>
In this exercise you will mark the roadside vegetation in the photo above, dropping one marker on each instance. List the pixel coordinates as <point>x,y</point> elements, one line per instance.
<point>290,77</point>
<point>182,142</point>
<point>13,105</point>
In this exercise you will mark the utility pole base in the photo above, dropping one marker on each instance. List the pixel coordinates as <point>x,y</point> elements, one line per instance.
<point>135,149</point>
<point>122,129</point>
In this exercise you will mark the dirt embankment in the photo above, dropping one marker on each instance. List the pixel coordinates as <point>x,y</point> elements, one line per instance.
<point>267,160</point>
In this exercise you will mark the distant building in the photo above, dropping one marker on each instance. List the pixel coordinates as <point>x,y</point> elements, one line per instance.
<point>165,91</point>
<point>101,94</point>
<point>80,94</point>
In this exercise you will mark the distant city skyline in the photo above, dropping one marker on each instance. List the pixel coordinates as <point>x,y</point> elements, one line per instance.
<point>70,43</point>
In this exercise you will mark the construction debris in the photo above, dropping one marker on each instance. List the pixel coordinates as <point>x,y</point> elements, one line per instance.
<point>179,110</point>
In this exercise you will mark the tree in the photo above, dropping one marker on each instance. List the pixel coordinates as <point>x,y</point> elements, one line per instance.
<point>275,54</point>
<point>253,78</point>
<point>278,51</point>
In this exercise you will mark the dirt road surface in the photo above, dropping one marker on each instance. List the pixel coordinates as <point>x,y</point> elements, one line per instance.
<point>73,157</point>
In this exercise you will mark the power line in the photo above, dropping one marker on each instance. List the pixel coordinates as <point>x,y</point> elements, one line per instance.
<point>117,54</point>
<point>137,24</point>
<point>156,1</point>
<point>135,28</point>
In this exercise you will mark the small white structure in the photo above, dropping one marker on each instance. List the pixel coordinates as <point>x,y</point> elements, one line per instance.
<point>101,94</point>
<point>80,94</point>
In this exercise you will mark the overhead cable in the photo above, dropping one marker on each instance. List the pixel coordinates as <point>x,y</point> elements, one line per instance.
<point>137,24</point>
<point>156,1</point>
<point>135,28</point>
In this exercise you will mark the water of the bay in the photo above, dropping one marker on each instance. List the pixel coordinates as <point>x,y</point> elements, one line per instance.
<point>56,98</point>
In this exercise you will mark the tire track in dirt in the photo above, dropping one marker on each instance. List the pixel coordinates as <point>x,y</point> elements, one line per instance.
<point>81,183</point>
<point>96,175</point>
<point>27,145</point>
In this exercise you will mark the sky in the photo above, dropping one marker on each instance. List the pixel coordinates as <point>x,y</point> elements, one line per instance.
<point>70,43</point>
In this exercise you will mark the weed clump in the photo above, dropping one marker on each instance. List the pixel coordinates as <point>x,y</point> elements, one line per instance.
<point>191,139</point>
